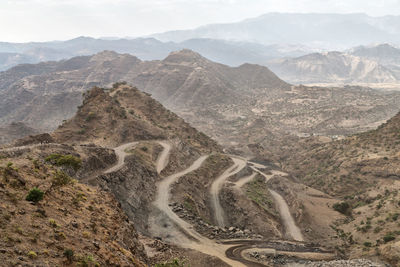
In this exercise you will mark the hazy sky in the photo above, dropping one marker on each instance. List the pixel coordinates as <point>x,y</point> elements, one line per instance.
<point>43,20</point>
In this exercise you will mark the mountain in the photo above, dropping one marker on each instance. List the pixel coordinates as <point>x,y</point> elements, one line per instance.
<point>45,94</point>
<point>127,114</point>
<point>328,31</point>
<point>226,52</point>
<point>237,53</point>
<point>385,54</point>
<point>221,101</point>
<point>333,67</point>
<point>92,225</point>
<point>12,54</point>
<point>142,130</point>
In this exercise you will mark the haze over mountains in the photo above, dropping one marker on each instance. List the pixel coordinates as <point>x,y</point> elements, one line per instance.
<point>327,31</point>
<point>300,48</point>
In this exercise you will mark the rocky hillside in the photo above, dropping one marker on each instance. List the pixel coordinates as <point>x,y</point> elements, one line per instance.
<point>333,67</point>
<point>124,114</point>
<point>362,170</point>
<point>47,218</point>
<point>352,164</point>
<point>94,225</point>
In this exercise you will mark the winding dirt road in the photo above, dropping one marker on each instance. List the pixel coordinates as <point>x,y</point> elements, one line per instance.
<point>165,223</point>
<point>194,240</point>
<point>239,184</point>
<point>121,154</point>
<point>291,229</point>
<point>162,160</point>
<point>238,165</point>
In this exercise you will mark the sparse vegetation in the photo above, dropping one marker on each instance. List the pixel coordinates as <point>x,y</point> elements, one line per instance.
<point>35,195</point>
<point>69,254</point>
<point>32,254</point>
<point>389,237</point>
<point>257,191</point>
<point>65,160</point>
<point>343,207</point>
<point>61,178</point>
<point>172,263</point>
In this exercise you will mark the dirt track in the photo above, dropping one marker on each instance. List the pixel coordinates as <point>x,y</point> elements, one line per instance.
<point>162,160</point>
<point>238,164</point>
<point>121,154</point>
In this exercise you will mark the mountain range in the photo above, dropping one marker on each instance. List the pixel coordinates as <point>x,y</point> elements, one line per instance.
<point>237,106</point>
<point>227,52</point>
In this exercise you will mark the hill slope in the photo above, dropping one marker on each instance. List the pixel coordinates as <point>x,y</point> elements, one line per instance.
<point>124,115</point>
<point>364,171</point>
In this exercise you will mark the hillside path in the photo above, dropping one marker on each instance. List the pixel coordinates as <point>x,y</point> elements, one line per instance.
<point>238,165</point>
<point>162,160</point>
<point>291,228</point>
<point>121,154</point>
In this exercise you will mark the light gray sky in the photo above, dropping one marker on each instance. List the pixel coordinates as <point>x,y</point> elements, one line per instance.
<point>44,20</point>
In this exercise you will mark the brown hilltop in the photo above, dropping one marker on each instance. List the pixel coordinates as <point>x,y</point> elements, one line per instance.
<point>125,114</point>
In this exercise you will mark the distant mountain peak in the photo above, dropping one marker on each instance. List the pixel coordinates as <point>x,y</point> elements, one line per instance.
<point>108,55</point>
<point>184,55</point>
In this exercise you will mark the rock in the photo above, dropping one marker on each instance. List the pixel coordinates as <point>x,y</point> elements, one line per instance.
<point>96,244</point>
<point>75,224</point>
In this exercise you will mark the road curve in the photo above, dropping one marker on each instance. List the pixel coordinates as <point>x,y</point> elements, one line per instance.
<point>162,160</point>
<point>291,229</point>
<point>121,154</point>
<point>196,241</point>
<point>242,181</point>
<point>238,164</point>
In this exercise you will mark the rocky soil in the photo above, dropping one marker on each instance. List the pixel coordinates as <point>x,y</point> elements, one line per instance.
<point>74,224</point>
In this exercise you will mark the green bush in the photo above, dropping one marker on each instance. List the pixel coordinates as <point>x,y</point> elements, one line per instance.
<point>65,160</point>
<point>61,178</point>
<point>367,244</point>
<point>389,237</point>
<point>69,254</point>
<point>342,207</point>
<point>35,195</point>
